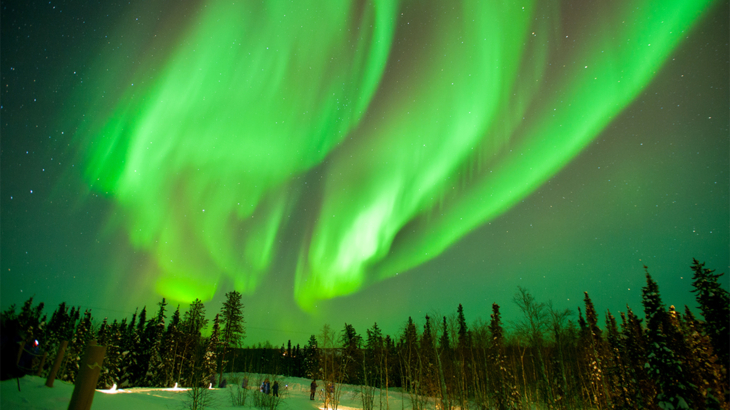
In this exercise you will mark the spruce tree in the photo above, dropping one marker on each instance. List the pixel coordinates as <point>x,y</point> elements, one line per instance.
<point>462,342</point>
<point>643,390</point>
<point>168,350</point>
<point>233,331</point>
<point>113,352</point>
<point>76,348</point>
<point>208,364</point>
<point>298,360</point>
<point>663,365</point>
<point>288,359</point>
<point>155,374</point>
<point>139,353</point>
<point>311,358</point>
<point>103,336</point>
<point>618,380</point>
<point>678,343</point>
<point>59,329</point>
<point>193,321</point>
<point>595,351</point>
<point>444,340</point>
<point>428,358</point>
<point>408,356</point>
<point>128,359</point>
<point>463,357</point>
<point>29,318</point>
<point>502,381</point>
<point>350,341</point>
<point>706,364</point>
<point>715,307</point>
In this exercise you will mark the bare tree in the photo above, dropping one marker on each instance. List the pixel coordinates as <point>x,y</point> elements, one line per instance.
<point>533,327</point>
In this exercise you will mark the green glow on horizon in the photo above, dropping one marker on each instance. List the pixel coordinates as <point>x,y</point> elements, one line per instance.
<point>416,146</point>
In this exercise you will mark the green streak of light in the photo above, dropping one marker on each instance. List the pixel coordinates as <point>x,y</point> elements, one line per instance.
<point>431,141</point>
<point>252,96</point>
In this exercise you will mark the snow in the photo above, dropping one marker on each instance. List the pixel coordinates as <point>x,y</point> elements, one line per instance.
<point>294,391</point>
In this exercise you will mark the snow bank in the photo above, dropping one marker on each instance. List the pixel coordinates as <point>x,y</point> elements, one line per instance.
<point>294,391</point>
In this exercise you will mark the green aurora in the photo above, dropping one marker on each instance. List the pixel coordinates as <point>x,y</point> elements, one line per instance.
<point>252,98</point>
<point>334,146</point>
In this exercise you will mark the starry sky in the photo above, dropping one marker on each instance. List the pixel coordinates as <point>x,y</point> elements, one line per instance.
<point>361,161</point>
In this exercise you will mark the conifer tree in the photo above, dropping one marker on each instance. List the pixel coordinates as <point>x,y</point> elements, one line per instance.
<point>617,380</point>
<point>443,360</point>
<point>297,360</point>
<point>679,345</point>
<point>503,384</point>
<point>444,340</point>
<point>428,358</point>
<point>462,342</point>
<point>59,329</point>
<point>408,356</point>
<point>113,355</point>
<point>462,357</point>
<point>706,364</point>
<point>168,350</point>
<point>427,340</point>
<point>372,367</point>
<point>128,359</point>
<point>29,318</point>
<point>233,331</point>
<point>77,347</point>
<point>350,341</point>
<point>102,338</point>
<point>595,351</point>
<point>155,329</point>
<point>715,306</point>
<point>55,324</point>
<point>663,364</point>
<point>209,362</point>
<point>193,321</point>
<point>139,351</point>
<point>311,358</point>
<point>642,389</point>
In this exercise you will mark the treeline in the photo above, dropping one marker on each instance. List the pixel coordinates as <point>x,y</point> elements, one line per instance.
<point>668,360</point>
<point>157,351</point>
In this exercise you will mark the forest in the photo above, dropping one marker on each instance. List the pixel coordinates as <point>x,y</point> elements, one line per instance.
<point>667,359</point>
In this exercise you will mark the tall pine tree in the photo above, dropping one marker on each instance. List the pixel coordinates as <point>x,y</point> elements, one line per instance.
<point>663,365</point>
<point>233,331</point>
<point>715,306</point>
<point>210,356</point>
<point>503,384</point>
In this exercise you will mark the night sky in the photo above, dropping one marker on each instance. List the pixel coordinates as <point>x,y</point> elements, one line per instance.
<point>364,161</point>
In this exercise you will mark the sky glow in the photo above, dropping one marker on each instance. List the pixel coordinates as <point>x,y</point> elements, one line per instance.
<point>206,158</point>
<point>312,155</point>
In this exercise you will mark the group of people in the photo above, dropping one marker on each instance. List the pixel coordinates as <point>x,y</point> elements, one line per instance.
<point>267,388</point>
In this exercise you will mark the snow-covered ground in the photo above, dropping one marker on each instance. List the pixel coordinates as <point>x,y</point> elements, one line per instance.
<point>294,391</point>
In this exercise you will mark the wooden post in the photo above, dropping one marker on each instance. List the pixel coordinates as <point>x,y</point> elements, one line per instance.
<point>43,363</point>
<point>56,364</point>
<point>88,376</point>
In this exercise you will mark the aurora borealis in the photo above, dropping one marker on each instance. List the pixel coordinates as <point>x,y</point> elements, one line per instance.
<point>362,161</point>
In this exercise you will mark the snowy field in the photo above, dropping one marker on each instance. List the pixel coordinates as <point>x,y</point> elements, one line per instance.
<point>294,391</point>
